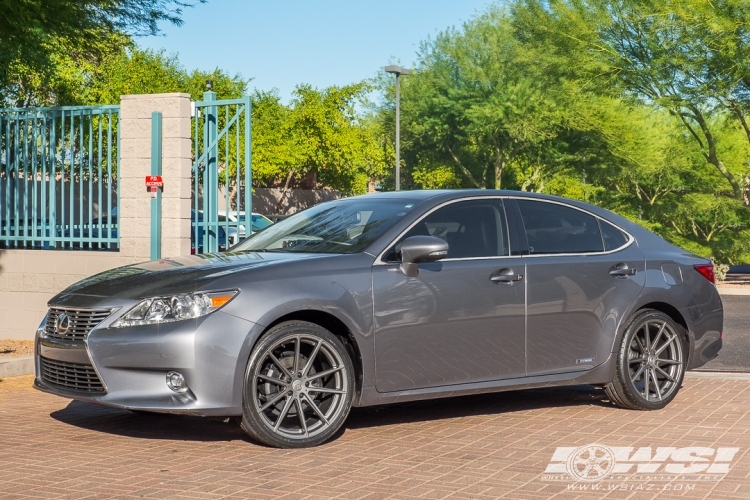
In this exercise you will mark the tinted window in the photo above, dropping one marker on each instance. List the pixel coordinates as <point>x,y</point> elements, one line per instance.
<point>345,226</point>
<point>613,237</point>
<point>553,228</point>
<point>471,228</point>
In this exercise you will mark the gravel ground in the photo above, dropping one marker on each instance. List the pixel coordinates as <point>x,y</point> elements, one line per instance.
<point>15,348</point>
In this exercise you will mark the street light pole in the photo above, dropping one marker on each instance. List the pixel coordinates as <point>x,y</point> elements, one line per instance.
<point>398,71</point>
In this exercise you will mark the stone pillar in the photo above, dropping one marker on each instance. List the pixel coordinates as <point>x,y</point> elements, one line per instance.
<point>135,165</point>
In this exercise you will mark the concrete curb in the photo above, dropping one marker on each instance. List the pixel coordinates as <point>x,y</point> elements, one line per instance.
<point>733,291</point>
<point>13,367</point>
<point>718,375</point>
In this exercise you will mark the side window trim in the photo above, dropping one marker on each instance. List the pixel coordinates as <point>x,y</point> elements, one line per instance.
<point>520,245</point>
<point>500,199</point>
<point>522,228</point>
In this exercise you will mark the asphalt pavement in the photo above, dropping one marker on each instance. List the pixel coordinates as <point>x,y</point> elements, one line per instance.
<point>735,354</point>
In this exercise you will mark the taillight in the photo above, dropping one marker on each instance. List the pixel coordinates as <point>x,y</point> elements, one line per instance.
<point>707,271</point>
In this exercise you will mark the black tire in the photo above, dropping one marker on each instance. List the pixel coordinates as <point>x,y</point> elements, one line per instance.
<point>650,363</point>
<point>280,383</point>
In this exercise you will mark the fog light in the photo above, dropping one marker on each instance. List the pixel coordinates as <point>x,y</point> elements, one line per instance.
<point>176,382</point>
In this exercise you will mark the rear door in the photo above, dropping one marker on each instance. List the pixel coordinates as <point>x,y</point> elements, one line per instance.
<point>582,272</point>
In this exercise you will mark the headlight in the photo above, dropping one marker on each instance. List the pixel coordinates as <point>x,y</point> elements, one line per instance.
<point>175,308</point>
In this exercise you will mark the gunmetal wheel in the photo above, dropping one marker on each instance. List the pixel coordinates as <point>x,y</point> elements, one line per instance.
<point>299,385</point>
<point>650,364</point>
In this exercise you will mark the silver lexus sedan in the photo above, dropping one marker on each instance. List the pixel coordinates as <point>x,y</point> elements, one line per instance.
<point>383,298</point>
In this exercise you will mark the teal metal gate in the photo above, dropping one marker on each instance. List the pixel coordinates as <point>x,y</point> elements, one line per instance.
<point>58,177</point>
<point>222,162</point>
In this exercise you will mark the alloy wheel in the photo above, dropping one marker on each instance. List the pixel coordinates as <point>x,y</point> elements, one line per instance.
<point>299,386</point>
<point>655,360</point>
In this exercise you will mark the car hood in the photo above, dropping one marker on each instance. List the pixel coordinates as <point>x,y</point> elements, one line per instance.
<point>175,275</point>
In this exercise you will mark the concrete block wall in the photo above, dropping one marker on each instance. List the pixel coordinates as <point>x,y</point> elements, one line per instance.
<point>135,165</point>
<point>30,278</point>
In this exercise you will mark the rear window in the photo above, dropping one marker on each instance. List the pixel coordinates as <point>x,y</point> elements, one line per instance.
<point>613,237</point>
<point>556,229</point>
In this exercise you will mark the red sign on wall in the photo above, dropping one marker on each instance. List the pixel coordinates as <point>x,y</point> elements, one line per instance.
<point>154,181</point>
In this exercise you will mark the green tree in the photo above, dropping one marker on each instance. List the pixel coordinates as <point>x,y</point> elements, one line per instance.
<point>40,38</point>
<point>683,56</point>
<point>471,106</point>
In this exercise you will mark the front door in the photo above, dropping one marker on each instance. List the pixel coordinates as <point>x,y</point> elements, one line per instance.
<point>452,324</point>
<point>582,272</point>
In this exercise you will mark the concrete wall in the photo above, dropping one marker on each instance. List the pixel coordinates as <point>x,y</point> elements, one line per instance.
<point>266,200</point>
<point>135,165</point>
<point>29,278</point>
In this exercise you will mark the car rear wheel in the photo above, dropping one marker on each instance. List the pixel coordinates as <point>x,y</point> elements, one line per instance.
<point>299,385</point>
<point>650,363</point>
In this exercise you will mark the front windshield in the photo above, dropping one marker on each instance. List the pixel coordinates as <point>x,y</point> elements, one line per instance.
<point>344,226</point>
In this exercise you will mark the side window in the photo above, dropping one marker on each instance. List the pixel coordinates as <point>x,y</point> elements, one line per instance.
<point>553,228</point>
<point>475,228</point>
<point>613,237</point>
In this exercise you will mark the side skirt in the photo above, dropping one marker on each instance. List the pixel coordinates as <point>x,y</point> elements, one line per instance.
<point>602,374</point>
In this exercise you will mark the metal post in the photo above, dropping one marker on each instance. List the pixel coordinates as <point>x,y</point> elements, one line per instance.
<point>398,131</point>
<point>211,194</point>
<point>398,71</point>
<point>156,170</point>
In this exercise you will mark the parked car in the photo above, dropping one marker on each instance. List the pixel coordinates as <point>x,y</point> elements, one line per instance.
<point>197,246</point>
<point>259,222</point>
<point>383,298</point>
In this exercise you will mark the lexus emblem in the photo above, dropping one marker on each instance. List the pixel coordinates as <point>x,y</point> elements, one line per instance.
<point>62,323</point>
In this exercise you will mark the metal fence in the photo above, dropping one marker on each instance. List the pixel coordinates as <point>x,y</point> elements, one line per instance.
<point>58,177</point>
<point>222,152</point>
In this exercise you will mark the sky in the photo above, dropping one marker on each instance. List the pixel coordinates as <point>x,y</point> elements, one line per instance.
<point>282,43</point>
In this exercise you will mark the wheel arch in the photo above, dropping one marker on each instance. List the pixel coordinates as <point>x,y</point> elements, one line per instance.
<point>334,325</point>
<point>676,316</point>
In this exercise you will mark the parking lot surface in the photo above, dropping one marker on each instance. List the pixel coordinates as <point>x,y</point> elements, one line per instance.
<point>483,447</point>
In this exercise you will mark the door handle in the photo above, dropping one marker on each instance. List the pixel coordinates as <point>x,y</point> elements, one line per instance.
<point>622,270</point>
<point>506,276</point>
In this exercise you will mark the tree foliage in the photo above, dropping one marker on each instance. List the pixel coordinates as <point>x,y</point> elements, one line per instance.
<point>36,34</point>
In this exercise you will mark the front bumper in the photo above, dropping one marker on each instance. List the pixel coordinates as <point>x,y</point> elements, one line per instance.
<point>132,363</point>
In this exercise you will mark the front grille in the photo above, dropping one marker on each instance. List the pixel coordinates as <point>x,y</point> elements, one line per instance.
<point>71,376</point>
<point>80,323</point>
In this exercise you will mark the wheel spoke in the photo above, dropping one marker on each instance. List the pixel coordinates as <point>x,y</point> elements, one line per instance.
<point>310,360</point>
<point>646,382</point>
<point>638,373</point>
<point>278,363</point>
<point>301,414</point>
<point>283,413</point>
<point>325,373</point>
<point>658,335</point>
<point>669,361</point>
<point>647,331</point>
<point>656,383</point>
<point>669,377</point>
<point>273,401</point>
<point>664,346</point>
<point>640,344</point>
<point>297,343</point>
<point>637,360</point>
<point>316,410</point>
<point>272,380</point>
<point>327,390</point>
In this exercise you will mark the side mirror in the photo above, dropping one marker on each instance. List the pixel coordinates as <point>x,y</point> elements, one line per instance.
<point>416,249</point>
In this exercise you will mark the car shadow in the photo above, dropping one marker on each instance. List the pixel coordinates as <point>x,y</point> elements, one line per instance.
<point>144,425</point>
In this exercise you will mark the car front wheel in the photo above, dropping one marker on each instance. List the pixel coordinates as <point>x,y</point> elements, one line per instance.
<point>299,386</point>
<point>650,363</point>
